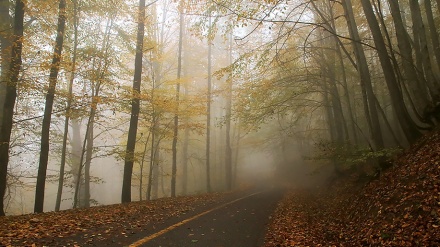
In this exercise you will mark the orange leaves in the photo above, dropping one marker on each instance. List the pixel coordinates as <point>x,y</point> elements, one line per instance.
<point>401,208</point>
<point>97,226</point>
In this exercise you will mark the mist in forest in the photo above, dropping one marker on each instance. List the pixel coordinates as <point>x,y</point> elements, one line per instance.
<point>116,101</point>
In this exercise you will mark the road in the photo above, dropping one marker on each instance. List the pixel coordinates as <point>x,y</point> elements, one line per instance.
<point>239,222</point>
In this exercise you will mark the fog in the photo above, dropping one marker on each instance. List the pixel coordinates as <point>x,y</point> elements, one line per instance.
<point>199,97</point>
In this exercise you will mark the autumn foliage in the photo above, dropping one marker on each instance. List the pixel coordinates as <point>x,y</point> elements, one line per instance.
<point>400,208</point>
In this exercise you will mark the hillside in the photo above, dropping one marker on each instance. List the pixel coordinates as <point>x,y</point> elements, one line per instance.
<point>400,208</point>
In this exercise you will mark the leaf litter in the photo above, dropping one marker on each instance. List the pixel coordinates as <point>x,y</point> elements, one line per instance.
<point>97,225</point>
<point>400,208</point>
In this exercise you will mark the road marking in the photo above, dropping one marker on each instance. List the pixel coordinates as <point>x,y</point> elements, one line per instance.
<point>157,234</point>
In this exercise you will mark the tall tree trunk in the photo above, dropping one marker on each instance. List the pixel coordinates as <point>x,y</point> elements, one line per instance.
<point>370,107</point>
<point>89,152</point>
<point>142,165</point>
<point>421,47</point>
<point>185,147</point>
<point>330,64</point>
<point>68,108</point>
<point>176,114</point>
<point>5,52</point>
<point>152,157</point>
<point>228,149</point>
<point>156,172</point>
<point>152,187</point>
<point>392,56</point>
<point>328,109</point>
<point>10,97</point>
<point>86,154</point>
<point>185,158</point>
<point>50,95</point>
<point>433,30</point>
<point>208,116</point>
<point>87,148</point>
<point>135,107</point>
<point>237,154</point>
<point>408,126</point>
<point>338,47</point>
<point>75,155</point>
<point>186,135</point>
<point>347,99</point>
<point>416,83</point>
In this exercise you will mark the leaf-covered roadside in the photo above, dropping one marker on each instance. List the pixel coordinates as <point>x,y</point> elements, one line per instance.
<point>401,208</point>
<point>97,226</point>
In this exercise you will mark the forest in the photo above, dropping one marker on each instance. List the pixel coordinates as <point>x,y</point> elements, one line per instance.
<point>114,101</point>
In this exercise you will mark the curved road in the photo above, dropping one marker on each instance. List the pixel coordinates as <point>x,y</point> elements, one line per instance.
<point>239,222</point>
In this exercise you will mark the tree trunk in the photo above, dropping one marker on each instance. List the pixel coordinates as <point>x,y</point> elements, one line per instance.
<point>176,114</point>
<point>142,165</point>
<point>185,144</point>
<point>409,127</point>
<point>50,95</point>
<point>152,158</point>
<point>68,108</point>
<point>89,152</point>
<point>185,160</point>
<point>237,154</point>
<point>228,149</point>
<point>87,149</point>
<point>433,33</point>
<point>208,116</point>
<point>156,170</point>
<point>418,89</point>
<point>135,107</point>
<point>152,187</point>
<point>75,155</point>
<point>5,52</point>
<point>347,99</point>
<point>370,107</point>
<point>10,97</point>
<point>421,47</point>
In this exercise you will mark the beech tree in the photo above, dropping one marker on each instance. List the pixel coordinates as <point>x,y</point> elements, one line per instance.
<point>208,114</point>
<point>176,114</point>
<point>406,122</point>
<point>55,68</point>
<point>10,96</point>
<point>228,118</point>
<point>368,96</point>
<point>135,106</point>
<point>5,46</point>
<point>68,107</point>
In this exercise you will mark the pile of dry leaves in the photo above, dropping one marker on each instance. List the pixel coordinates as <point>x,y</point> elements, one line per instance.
<point>400,208</point>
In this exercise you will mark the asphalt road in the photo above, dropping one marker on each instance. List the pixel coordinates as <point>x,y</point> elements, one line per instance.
<point>239,222</point>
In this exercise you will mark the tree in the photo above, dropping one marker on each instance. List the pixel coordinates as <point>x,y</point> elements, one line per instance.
<point>370,107</point>
<point>10,97</point>
<point>68,107</point>
<point>228,150</point>
<point>413,79</point>
<point>5,46</point>
<point>421,48</point>
<point>55,68</point>
<point>135,106</point>
<point>208,114</point>
<point>406,122</point>
<point>176,114</point>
